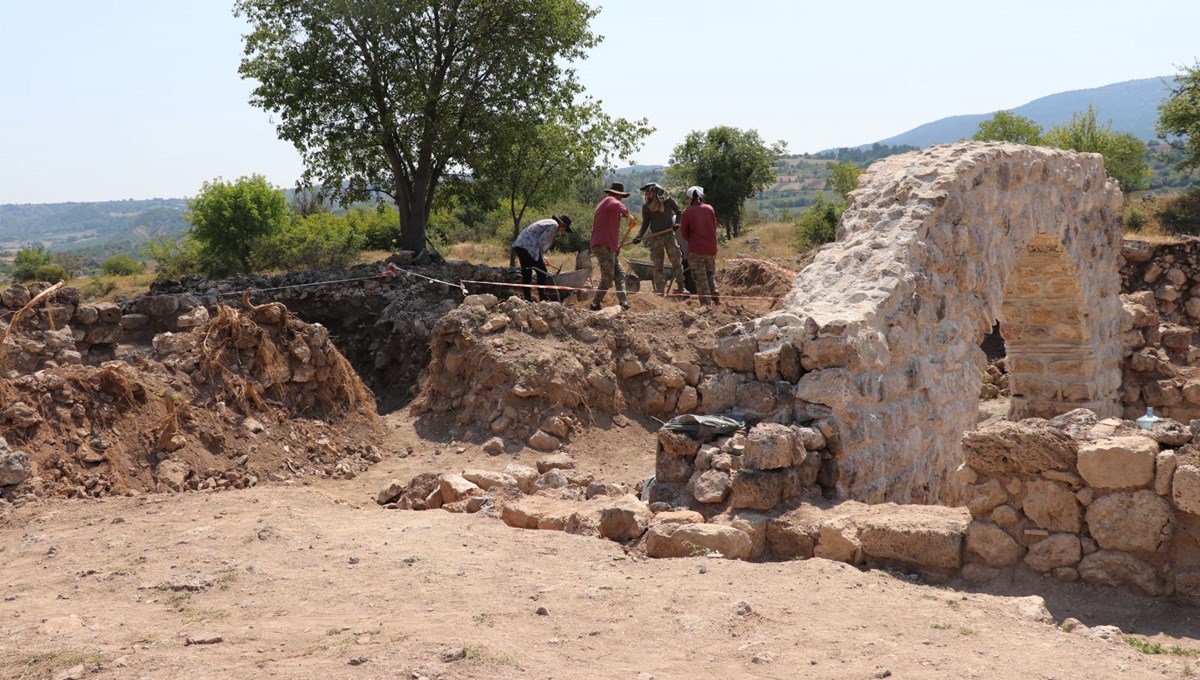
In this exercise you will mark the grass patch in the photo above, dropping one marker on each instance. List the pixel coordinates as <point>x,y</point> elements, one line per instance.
<point>481,656</point>
<point>1147,647</point>
<point>43,664</point>
<point>108,288</point>
<point>941,626</point>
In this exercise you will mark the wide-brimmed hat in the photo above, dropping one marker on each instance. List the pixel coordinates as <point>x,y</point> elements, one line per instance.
<point>617,189</point>
<point>564,220</point>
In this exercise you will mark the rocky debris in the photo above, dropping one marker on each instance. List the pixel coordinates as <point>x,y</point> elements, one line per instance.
<point>549,368</point>
<point>14,465</point>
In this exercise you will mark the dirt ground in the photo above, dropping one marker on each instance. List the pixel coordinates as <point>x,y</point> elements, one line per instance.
<point>310,578</point>
<point>316,581</point>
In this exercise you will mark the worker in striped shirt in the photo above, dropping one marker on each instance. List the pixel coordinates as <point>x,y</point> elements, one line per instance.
<point>530,249</point>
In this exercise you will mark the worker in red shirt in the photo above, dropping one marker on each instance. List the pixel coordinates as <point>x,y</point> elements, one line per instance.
<point>698,226</point>
<point>606,244</point>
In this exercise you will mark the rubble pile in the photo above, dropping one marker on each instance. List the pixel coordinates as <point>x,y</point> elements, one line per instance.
<point>226,404</point>
<point>531,372</point>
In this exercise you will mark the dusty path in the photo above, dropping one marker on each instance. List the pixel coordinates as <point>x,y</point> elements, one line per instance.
<point>299,583</point>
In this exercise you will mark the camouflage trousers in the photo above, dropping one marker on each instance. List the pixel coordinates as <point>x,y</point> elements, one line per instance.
<point>661,248</point>
<point>611,272</point>
<point>704,270</point>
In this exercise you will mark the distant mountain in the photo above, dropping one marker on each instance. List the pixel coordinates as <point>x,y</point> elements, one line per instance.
<point>1132,107</point>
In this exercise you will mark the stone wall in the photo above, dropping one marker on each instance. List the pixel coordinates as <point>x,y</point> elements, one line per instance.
<point>1161,282</point>
<point>1075,498</point>
<point>880,336</point>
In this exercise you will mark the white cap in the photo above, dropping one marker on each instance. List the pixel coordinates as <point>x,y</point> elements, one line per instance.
<point>695,192</point>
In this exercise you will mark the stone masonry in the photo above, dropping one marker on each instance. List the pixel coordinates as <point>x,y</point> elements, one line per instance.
<point>880,335</point>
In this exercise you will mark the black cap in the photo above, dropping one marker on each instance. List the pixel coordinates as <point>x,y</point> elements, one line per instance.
<point>564,220</point>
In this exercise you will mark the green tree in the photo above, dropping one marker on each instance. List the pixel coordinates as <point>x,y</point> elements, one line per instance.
<point>843,178</point>
<point>27,261</point>
<point>731,164</point>
<point>230,218</point>
<point>818,223</point>
<point>173,258</point>
<point>1005,126</point>
<point>121,264</point>
<point>536,163</point>
<point>1179,118</point>
<point>1124,154</point>
<point>387,97</point>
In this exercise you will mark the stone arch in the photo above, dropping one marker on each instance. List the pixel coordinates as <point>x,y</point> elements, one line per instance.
<point>880,335</point>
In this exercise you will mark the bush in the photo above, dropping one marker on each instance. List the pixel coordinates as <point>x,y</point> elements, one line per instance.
<point>1135,218</point>
<point>27,261</point>
<point>173,258</point>
<point>818,224</point>
<point>380,227</point>
<point>1180,213</point>
<point>121,265</point>
<point>51,273</point>
<point>319,241</point>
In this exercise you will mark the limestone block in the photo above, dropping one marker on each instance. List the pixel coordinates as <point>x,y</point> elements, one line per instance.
<point>756,399</point>
<point>1141,521</point>
<point>14,466</point>
<point>1118,462</point>
<point>826,352</point>
<point>86,315</point>
<point>1177,337</point>
<point>196,317</point>
<point>831,387</point>
<point>609,489</point>
<point>1111,568</point>
<point>1052,506</point>
<point>793,534</point>
<point>390,492</point>
<point>624,518</point>
<point>551,479</point>
<point>525,476</point>
<point>1006,516</point>
<point>983,498</point>
<point>709,486</point>
<point>677,444</point>
<point>1170,433</point>
<point>1054,552</point>
<point>544,441</point>
<point>487,479</point>
<point>1008,447</point>
<point>838,540</point>
<point>537,512</point>
<point>811,438</point>
<point>991,545</point>
<point>768,447</point>
<point>485,300</point>
<point>766,366</point>
<point>790,368</point>
<point>160,305</point>
<point>671,469</point>
<point>677,517</point>
<point>736,352</point>
<point>108,312</point>
<point>455,488</point>
<point>687,540</point>
<point>688,400</point>
<point>719,392</point>
<point>1164,471</point>
<point>757,489</point>
<point>1185,488</point>
<point>916,536</point>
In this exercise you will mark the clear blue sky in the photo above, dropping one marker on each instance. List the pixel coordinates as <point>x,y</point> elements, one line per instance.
<point>141,98</point>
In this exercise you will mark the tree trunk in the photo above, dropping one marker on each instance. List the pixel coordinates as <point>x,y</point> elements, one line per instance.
<point>413,216</point>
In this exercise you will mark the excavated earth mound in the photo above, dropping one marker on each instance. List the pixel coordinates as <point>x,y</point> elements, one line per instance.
<point>239,399</point>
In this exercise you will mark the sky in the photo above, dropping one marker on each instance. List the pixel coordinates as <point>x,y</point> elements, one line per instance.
<point>142,99</point>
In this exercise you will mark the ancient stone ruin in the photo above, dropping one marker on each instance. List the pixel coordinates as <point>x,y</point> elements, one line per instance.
<point>880,335</point>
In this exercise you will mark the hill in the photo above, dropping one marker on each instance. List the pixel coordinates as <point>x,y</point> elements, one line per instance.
<point>101,226</point>
<point>1132,107</point>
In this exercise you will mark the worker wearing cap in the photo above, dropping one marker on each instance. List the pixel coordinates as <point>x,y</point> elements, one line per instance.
<point>698,226</point>
<point>531,246</point>
<point>660,216</point>
<point>606,243</point>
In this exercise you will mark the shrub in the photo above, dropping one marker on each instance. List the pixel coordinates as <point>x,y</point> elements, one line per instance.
<point>1180,214</point>
<point>319,241</point>
<point>27,261</point>
<point>121,265</point>
<point>1135,218</point>
<point>818,224</point>
<point>52,273</point>
<point>173,258</point>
